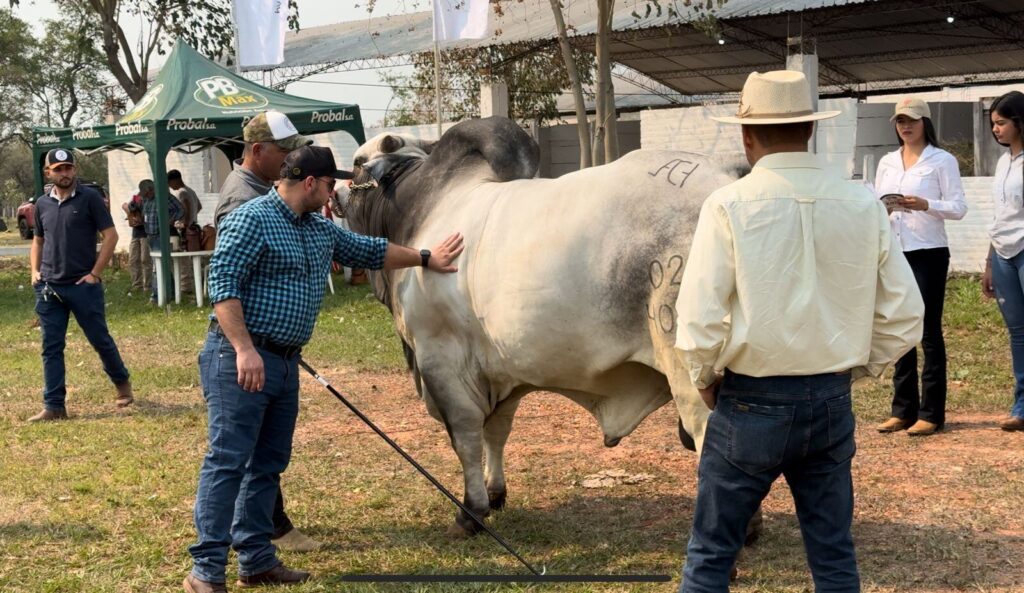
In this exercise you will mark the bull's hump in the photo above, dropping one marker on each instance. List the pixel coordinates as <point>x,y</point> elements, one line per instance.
<point>508,151</point>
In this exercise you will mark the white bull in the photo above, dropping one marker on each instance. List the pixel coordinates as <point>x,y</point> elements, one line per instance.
<point>566,285</point>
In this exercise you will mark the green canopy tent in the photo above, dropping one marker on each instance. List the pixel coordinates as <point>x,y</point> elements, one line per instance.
<point>192,105</point>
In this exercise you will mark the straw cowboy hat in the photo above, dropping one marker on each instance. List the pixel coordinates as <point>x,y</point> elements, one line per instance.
<point>778,97</point>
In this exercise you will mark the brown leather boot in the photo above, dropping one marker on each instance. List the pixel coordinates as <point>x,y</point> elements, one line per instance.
<point>49,416</point>
<point>125,396</point>
<point>279,575</point>
<point>893,424</point>
<point>1012,423</point>
<point>922,428</point>
<point>194,585</point>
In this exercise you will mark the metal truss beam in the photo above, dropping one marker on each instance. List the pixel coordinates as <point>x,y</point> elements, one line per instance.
<point>758,41</point>
<point>292,74</point>
<point>1006,26</point>
<point>932,52</point>
<point>649,84</point>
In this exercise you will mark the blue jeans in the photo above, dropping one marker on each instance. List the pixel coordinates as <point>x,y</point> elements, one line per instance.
<point>800,427</point>
<point>54,304</point>
<point>250,443</point>
<point>1008,279</point>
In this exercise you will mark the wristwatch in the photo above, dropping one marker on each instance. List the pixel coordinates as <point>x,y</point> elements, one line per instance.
<point>424,257</point>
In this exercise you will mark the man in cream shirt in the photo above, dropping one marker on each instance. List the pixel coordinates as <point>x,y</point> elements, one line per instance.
<point>793,289</point>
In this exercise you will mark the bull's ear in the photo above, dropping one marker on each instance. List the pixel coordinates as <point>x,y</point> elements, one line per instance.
<point>391,143</point>
<point>378,168</point>
<point>429,146</point>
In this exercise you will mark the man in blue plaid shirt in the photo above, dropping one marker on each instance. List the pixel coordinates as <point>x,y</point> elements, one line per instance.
<point>267,280</point>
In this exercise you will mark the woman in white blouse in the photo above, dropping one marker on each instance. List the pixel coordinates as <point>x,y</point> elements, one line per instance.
<point>928,179</point>
<point>1004,269</point>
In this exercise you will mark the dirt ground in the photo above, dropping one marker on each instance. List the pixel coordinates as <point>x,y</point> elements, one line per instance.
<point>940,513</point>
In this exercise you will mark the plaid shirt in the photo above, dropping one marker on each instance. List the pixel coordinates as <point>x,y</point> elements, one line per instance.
<point>277,264</point>
<point>150,214</point>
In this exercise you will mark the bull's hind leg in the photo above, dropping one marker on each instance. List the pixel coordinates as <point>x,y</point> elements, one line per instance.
<point>497,427</point>
<point>463,417</point>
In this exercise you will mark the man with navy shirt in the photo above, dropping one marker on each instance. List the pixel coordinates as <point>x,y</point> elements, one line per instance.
<point>66,277</point>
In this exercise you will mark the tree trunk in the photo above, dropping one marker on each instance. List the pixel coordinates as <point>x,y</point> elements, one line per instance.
<point>582,125</point>
<point>605,88</point>
<point>600,40</point>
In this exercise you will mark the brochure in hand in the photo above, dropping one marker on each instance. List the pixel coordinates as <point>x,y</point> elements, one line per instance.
<point>892,203</point>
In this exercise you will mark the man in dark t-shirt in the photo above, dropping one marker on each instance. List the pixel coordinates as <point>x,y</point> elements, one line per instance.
<point>66,277</point>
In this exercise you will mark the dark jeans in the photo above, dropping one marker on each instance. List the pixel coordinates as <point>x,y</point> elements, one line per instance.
<point>250,441</point>
<point>282,524</point>
<point>930,267</point>
<point>1008,278</point>
<point>54,307</point>
<point>800,427</point>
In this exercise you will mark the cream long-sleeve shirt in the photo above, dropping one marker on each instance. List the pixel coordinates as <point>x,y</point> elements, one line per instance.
<point>794,271</point>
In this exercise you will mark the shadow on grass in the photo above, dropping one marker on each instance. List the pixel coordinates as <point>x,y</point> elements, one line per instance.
<point>154,408</point>
<point>958,425</point>
<point>893,556</point>
<point>581,535</point>
<point>75,532</point>
<point>635,534</point>
<point>145,408</point>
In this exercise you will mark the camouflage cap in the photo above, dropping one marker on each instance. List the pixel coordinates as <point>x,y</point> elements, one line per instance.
<point>274,126</point>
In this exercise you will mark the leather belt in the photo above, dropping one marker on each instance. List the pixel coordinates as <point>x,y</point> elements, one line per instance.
<point>263,343</point>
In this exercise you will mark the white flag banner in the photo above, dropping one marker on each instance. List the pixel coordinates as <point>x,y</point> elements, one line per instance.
<point>261,26</point>
<point>460,19</point>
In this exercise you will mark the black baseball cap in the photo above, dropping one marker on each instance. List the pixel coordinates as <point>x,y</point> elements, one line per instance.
<point>59,156</point>
<point>311,161</point>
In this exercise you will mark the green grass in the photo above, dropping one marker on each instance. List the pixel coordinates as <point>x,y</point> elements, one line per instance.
<point>10,237</point>
<point>103,503</point>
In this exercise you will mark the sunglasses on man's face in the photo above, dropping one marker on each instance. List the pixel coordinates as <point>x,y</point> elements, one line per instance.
<point>329,182</point>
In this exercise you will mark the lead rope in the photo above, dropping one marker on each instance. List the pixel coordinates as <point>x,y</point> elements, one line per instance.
<point>418,467</point>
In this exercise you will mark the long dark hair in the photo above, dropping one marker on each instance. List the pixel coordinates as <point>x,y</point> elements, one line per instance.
<point>1010,106</point>
<point>929,133</point>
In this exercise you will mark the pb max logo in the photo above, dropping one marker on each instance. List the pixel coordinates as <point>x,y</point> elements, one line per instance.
<point>222,93</point>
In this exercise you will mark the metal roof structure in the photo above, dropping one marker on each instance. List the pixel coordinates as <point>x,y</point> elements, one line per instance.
<point>863,46</point>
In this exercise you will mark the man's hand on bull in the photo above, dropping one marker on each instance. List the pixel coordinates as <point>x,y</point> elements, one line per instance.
<point>440,260</point>
<point>445,253</point>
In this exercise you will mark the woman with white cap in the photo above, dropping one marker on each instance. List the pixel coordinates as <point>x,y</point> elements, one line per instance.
<point>927,179</point>
<point>1004,269</point>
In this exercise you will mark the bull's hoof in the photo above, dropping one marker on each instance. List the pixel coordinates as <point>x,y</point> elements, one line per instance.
<point>497,500</point>
<point>466,527</point>
<point>457,532</point>
<point>755,528</point>
<point>611,442</point>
